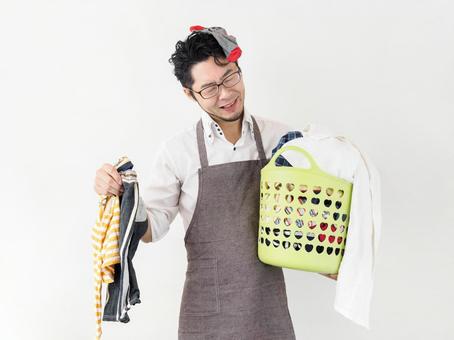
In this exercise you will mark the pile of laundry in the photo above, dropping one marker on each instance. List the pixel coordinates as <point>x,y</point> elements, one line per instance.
<point>340,157</point>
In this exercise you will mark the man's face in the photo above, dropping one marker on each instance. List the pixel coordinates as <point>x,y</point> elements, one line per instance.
<point>207,73</point>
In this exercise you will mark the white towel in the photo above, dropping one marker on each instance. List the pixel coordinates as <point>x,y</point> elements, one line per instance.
<point>340,157</point>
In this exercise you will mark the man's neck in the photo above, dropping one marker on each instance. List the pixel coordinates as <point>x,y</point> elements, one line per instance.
<point>232,130</point>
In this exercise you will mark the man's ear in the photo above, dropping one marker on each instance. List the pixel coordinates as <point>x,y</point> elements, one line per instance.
<point>188,94</point>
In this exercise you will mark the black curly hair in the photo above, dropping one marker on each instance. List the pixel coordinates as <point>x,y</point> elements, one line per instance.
<point>198,47</point>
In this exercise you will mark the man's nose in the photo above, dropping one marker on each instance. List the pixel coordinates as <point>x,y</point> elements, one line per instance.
<point>223,92</point>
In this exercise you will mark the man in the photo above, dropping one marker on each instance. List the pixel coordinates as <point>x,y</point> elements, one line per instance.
<point>210,173</point>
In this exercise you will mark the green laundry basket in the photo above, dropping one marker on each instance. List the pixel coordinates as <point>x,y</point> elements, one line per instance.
<point>304,215</point>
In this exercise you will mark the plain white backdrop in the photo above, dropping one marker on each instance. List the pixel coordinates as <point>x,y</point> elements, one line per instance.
<point>85,82</point>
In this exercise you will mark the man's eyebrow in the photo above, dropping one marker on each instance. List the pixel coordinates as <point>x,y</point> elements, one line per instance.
<point>212,83</point>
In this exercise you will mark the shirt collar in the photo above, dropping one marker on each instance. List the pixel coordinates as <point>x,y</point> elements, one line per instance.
<point>211,128</point>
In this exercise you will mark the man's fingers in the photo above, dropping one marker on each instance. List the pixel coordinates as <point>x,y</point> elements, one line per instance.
<point>111,186</point>
<point>110,169</point>
<point>331,276</point>
<point>106,183</point>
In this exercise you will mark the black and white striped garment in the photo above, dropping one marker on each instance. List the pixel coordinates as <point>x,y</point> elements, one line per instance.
<point>124,291</point>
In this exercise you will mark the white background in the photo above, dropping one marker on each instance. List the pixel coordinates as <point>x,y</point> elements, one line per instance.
<point>85,82</point>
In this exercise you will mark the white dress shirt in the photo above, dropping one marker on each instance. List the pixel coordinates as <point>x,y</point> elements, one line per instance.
<point>173,180</point>
<point>340,157</point>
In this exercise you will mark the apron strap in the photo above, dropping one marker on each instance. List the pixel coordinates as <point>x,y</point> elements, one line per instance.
<point>201,145</point>
<point>202,148</point>
<point>258,140</point>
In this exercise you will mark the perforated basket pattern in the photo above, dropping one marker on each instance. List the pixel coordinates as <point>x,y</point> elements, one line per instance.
<point>304,216</point>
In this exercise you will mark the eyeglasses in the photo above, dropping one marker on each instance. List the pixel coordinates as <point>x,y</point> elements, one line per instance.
<point>212,90</point>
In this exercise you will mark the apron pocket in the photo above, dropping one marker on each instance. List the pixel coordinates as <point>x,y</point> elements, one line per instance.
<point>201,288</point>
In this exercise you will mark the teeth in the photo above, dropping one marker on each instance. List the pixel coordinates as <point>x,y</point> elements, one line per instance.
<point>229,105</point>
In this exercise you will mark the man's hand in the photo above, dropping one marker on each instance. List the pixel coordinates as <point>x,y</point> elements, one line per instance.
<point>331,276</point>
<point>108,181</point>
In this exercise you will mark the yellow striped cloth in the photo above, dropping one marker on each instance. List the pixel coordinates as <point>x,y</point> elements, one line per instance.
<point>105,237</point>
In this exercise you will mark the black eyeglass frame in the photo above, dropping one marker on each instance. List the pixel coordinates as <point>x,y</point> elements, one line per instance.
<point>218,85</point>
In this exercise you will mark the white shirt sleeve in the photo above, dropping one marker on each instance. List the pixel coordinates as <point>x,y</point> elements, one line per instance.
<point>161,194</point>
<point>356,273</point>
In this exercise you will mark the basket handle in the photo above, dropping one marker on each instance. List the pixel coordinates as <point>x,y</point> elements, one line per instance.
<point>313,165</point>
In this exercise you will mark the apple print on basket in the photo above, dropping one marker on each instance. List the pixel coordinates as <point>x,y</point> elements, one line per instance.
<point>310,226</point>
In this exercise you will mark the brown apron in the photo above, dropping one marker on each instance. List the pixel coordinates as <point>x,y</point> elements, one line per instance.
<point>228,293</point>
